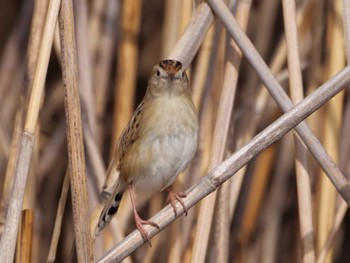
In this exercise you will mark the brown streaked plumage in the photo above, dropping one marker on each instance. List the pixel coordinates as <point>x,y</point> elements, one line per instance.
<point>157,144</point>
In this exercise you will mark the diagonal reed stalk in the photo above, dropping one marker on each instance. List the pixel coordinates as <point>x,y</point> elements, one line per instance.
<point>76,160</point>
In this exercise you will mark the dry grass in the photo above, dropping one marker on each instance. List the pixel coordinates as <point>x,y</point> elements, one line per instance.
<point>256,193</point>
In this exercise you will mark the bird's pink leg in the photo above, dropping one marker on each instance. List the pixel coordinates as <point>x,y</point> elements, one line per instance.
<point>139,222</point>
<point>172,197</point>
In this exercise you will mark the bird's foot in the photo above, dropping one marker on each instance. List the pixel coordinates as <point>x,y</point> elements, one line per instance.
<point>173,196</point>
<point>139,224</point>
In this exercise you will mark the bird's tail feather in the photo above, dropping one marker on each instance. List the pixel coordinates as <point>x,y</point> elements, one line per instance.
<point>112,180</point>
<point>110,209</point>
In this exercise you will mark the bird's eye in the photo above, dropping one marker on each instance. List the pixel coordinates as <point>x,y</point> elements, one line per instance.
<point>183,74</point>
<point>158,73</point>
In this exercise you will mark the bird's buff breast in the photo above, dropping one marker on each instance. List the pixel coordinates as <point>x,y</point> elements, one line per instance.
<point>162,152</point>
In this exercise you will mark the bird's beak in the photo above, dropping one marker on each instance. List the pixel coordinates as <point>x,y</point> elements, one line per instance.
<point>171,76</point>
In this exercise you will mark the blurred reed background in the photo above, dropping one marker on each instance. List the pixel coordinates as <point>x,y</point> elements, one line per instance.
<point>280,207</point>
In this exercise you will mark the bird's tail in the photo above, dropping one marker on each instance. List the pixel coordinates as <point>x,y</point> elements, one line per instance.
<point>111,181</point>
<point>110,209</point>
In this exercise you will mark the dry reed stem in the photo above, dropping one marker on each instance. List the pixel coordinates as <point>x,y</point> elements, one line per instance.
<point>181,20</point>
<point>51,257</point>
<point>9,236</point>
<point>232,66</point>
<point>188,44</point>
<point>205,109</point>
<point>332,125</point>
<point>11,69</point>
<point>8,239</point>
<point>36,33</point>
<point>96,162</point>
<point>201,69</point>
<point>257,189</point>
<point>57,44</point>
<point>263,34</point>
<point>48,157</point>
<point>4,139</point>
<point>175,252</point>
<point>11,62</point>
<point>212,87</point>
<point>262,38</point>
<point>76,161</point>
<point>199,166</point>
<point>282,99</point>
<point>149,254</point>
<point>11,167</point>
<point>172,21</point>
<point>328,244</point>
<point>54,100</point>
<point>273,211</point>
<point>230,166</point>
<point>95,19</point>
<point>171,24</point>
<point>86,92</point>
<point>251,122</point>
<point>41,68</point>
<point>33,50</point>
<point>301,161</point>
<point>153,253</point>
<point>84,66</point>
<point>126,69</point>
<point>346,25</point>
<point>345,139</point>
<point>187,9</point>
<point>218,146</point>
<point>314,74</point>
<point>102,68</point>
<point>221,247</point>
<point>29,199</point>
<point>24,251</point>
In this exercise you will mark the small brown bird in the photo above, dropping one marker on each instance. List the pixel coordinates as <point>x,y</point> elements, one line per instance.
<point>157,144</point>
